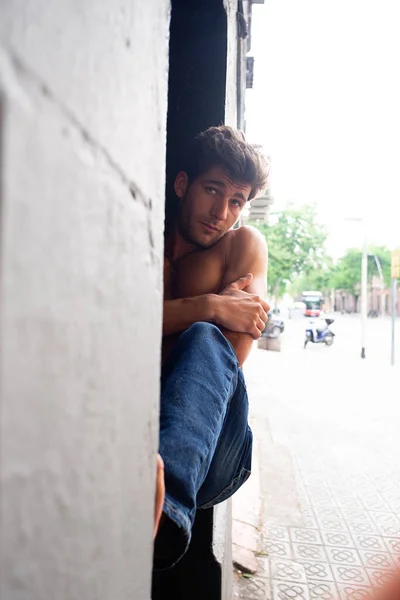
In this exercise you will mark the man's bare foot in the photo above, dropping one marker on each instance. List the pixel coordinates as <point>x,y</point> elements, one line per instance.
<point>160,494</point>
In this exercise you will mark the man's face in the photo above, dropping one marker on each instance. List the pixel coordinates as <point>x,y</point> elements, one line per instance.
<point>209,206</point>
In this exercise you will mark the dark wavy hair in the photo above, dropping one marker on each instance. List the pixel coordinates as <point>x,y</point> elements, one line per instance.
<point>227,148</point>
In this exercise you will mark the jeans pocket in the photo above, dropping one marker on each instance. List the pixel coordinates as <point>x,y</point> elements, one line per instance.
<point>229,490</point>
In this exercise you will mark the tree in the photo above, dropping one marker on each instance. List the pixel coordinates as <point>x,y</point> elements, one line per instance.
<point>346,275</point>
<point>385,259</point>
<point>317,279</point>
<point>296,245</point>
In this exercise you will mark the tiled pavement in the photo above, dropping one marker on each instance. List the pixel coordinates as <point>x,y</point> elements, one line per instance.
<point>347,475</point>
<point>349,539</point>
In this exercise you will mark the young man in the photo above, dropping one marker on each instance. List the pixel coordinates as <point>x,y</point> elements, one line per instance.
<point>214,280</point>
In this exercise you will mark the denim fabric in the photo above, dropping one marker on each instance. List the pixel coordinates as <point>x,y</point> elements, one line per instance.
<point>205,439</point>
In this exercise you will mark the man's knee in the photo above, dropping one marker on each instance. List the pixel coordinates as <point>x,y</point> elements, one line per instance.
<point>204,329</point>
<point>208,337</point>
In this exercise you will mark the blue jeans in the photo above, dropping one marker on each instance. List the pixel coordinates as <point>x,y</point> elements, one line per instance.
<point>205,439</point>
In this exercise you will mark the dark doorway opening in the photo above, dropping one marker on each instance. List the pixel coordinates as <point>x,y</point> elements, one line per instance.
<point>196,101</point>
<point>197,79</point>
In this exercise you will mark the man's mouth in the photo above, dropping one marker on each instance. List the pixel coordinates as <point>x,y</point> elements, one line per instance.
<point>210,227</point>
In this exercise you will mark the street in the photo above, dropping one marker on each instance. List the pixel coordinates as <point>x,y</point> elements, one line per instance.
<point>326,427</point>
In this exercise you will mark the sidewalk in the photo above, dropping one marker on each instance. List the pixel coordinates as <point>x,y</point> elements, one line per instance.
<point>326,480</point>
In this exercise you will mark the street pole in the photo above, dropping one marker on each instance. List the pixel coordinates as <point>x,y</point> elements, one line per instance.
<point>364,285</point>
<point>382,284</point>
<point>364,293</point>
<point>394,294</point>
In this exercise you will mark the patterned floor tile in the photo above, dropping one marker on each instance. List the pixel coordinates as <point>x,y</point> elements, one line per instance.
<point>336,481</point>
<point>360,479</point>
<point>306,510</point>
<point>384,517</point>
<point>322,590</point>
<point>393,545</point>
<point>319,490</point>
<point>308,536</point>
<point>303,498</point>
<point>288,570</point>
<point>323,501</point>
<point>374,502</point>
<point>264,567</point>
<point>326,512</point>
<point>377,560</point>
<point>353,575</point>
<point>396,559</point>
<point>366,488</point>
<point>344,494</point>
<point>369,542</point>
<point>287,590</point>
<point>362,527</point>
<point>394,505</point>
<point>274,548</point>
<point>309,552</point>
<point>332,524</point>
<point>353,592</point>
<point>318,570</point>
<point>310,523</point>
<point>392,530</point>
<point>343,556</point>
<point>390,492</point>
<point>355,514</point>
<point>382,480</point>
<point>379,577</point>
<point>274,532</point>
<point>314,479</point>
<point>333,538</point>
<point>350,502</point>
<point>253,588</point>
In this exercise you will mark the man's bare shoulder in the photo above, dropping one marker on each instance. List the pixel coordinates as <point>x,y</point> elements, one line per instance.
<point>247,253</point>
<point>247,239</point>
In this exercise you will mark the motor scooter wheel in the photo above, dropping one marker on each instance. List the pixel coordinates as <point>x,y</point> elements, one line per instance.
<point>329,339</point>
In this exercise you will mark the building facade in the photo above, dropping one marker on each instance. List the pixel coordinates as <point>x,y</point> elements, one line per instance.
<point>97,101</point>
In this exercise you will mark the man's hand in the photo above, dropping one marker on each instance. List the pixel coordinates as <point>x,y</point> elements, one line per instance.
<point>241,311</point>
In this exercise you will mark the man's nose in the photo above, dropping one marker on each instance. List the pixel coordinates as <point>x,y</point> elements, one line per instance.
<point>219,209</point>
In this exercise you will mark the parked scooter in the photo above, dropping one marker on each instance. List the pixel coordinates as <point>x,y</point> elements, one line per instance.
<point>319,332</point>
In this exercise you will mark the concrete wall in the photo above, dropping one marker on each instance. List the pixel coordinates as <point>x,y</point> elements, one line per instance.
<point>83,95</point>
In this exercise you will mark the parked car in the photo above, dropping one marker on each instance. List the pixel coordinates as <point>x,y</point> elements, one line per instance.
<point>275,324</point>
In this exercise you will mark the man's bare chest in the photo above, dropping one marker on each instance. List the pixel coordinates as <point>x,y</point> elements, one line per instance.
<point>198,273</point>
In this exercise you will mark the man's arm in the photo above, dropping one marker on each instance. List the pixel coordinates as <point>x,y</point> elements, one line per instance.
<point>232,309</point>
<point>248,254</point>
<point>181,313</point>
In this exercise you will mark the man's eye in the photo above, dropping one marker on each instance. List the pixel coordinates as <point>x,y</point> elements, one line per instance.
<point>236,203</point>
<point>211,190</point>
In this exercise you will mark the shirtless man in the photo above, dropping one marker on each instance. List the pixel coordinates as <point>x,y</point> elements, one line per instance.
<point>214,280</point>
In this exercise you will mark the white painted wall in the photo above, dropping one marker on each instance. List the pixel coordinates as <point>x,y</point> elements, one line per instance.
<point>231,64</point>
<point>83,95</point>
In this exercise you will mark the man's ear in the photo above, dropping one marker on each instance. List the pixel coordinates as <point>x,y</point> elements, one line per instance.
<point>181,184</point>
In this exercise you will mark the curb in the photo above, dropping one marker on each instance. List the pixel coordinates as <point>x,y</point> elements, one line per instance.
<point>246,515</point>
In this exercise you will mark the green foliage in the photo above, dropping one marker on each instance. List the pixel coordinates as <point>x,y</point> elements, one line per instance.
<point>296,245</point>
<point>385,257</point>
<point>318,279</point>
<point>297,256</point>
<point>346,275</point>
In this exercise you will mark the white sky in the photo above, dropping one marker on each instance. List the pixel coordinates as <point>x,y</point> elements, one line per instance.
<point>326,107</point>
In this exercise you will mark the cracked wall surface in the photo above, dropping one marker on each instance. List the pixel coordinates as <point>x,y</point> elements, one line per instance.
<point>83,93</point>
